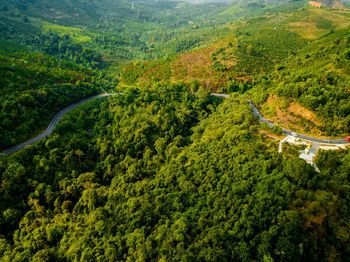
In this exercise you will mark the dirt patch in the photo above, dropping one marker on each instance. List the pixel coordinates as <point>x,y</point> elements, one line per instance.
<point>315,4</point>
<point>302,111</point>
<point>105,59</point>
<point>291,116</point>
<point>273,108</point>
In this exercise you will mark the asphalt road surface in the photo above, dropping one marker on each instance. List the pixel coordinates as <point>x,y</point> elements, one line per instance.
<point>52,124</point>
<point>256,112</point>
<point>301,136</point>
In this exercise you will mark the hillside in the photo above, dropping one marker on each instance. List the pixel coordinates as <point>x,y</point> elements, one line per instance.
<point>112,29</point>
<point>122,31</point>
<point>172,176</point>
<point>255,46</point>
<point>271,49</point>
<point>161,169</point>
<point>317,78</point>
<point>33,88</point>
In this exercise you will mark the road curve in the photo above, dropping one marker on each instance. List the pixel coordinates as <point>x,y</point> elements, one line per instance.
<point>340,141</point>
<point>256,112</point>
<point>52,124</point>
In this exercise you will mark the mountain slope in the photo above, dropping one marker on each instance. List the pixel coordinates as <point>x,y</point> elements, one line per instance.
<point>317,78</point>
<point>33,88</point>
<point>148,185</point>
<point>124,30</point>
<point>166,171</point>
<point>274,54</point>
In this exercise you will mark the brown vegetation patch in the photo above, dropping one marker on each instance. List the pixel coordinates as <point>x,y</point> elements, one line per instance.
<point>291,116</point>
<point>302,111</point>
<point>338,5</point>
<point>315,4</point>
<point>229,63</point>
<point>193,65</point>
<point>198,65</point>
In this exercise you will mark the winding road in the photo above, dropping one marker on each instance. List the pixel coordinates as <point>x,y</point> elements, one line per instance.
<point>52,124</point>
<point>339,141</point>
<point>256,112</point>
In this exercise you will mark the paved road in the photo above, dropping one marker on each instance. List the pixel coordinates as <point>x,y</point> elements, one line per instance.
<point>221,95</point>
<point>52,124</point>
<point>340,141</point>
<point>256,112</point>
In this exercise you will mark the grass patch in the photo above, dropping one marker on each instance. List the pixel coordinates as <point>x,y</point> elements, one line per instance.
<point>78,34</point>
<point>314,23</point>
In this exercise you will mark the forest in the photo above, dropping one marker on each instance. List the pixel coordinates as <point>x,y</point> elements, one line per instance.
<point>142,181</point>
<point>163,170</point>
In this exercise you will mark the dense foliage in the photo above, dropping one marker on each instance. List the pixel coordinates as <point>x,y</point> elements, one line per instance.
<point>164,171</point>
<point>254,47</point>
<point>113,29</point>
<point>65,48</point>
<point>124,30</point>
<point>131,181</point>
<point>33,88</point>
<point>317,77</point>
